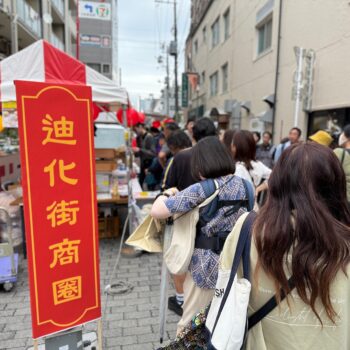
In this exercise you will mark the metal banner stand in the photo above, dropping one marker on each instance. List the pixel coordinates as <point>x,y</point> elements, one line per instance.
<point>164,282</point>
<point>99,334</point>
<point>129,163</point>
<point>74,338</point>
<point>69,339</point>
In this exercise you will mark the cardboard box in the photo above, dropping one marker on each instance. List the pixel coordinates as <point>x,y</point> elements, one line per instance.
<point>105,153</point>
<point>106,166</point>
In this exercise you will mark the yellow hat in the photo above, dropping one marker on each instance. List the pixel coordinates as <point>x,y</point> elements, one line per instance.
<point>322,137</point>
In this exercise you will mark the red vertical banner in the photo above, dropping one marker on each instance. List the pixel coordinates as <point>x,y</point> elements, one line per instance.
<point>59,197</point>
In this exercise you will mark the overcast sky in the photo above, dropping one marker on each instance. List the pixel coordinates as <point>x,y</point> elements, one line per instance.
<point>144,26</point>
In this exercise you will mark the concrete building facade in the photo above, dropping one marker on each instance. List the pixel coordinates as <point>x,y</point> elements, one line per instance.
<point>151,106</point>
<point>96,32</point>
<point>243,53</point>
<point>167,101</point>
<point>25,21</point>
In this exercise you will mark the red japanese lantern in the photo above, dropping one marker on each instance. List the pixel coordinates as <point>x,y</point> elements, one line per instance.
<point>132,115</point>
<point>142,117</point>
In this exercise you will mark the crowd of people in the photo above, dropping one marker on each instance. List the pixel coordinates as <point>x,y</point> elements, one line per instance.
<point>300,245</point>
<point>155,147</point>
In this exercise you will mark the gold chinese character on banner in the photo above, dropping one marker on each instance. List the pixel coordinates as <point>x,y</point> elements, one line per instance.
<point>62,172</point>
<point>58,131</point>
<point>66,290</point>
<point>65,252</point>
<point>63,212</point>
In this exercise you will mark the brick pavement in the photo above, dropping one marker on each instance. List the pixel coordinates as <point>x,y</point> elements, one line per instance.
<point>131,320</point>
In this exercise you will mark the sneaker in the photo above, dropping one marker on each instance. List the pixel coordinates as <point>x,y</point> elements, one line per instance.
<point>173,305</point>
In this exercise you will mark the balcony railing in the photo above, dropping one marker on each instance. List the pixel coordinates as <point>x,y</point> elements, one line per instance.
<point>29,17</point>
<point>59,4</point>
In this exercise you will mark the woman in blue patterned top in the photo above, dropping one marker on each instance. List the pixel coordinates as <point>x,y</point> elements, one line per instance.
<point>210,160</point>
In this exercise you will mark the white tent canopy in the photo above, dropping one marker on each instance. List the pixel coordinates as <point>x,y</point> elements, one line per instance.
<point>41,62</point>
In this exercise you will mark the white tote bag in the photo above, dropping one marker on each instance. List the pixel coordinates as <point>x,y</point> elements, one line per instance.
<point>227,318</point>
<point>179,254</point>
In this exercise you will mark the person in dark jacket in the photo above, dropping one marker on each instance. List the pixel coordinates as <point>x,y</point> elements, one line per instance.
<point>145,149</point>
<point>265,151</point>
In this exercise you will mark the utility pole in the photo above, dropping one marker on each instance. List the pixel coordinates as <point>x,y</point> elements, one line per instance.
<point>173,52</point>
<point>14,28</point>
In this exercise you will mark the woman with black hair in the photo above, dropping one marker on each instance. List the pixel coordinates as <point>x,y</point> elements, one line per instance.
<point>176,142</point>
<point>210,160</point>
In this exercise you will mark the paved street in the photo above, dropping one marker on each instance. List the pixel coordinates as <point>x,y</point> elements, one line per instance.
<point>131,320</point>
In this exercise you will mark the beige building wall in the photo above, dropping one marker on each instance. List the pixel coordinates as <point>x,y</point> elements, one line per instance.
<point>208,60</point>
<point>322,25</point>
<point>253,75</point>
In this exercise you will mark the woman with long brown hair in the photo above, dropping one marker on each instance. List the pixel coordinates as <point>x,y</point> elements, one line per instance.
<point>302,233</point>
